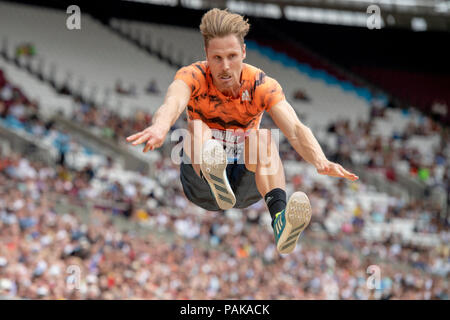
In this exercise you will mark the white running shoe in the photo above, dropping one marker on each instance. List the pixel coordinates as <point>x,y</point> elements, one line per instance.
<point>213,166</point>
<point>291,222</point>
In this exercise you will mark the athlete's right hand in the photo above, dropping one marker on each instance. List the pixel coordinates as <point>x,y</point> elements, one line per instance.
<point>154,135</point>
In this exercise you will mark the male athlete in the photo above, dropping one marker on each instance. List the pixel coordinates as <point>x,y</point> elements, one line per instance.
<point>223,94</point>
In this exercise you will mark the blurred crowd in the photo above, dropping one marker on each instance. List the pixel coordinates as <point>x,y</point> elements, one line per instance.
<point>109,124</point>
<point>393,154</point>
<point>49,253</point>
<point>13,102</point>
<point>222,255</point>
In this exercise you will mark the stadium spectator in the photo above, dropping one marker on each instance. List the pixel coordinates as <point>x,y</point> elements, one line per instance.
<point>25,49</point>
<point>301,95</point>
<point>152,87</point>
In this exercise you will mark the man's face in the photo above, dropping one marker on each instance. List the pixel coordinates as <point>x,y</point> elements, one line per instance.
<point>225,58</point>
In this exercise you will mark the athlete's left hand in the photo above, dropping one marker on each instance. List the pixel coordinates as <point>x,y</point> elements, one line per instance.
<point>335,170</point>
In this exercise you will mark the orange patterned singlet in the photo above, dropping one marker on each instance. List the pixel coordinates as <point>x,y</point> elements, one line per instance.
<point>258,93</point>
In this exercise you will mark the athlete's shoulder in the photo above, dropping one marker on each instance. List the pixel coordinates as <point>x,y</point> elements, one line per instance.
<point>267,90</point>
<point>194,75</point>
<point>252,71</point>
<point>257,76</point>
<point>199,67</point>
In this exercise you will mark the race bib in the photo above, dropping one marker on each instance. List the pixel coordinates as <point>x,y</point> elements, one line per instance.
<point>233,142</point>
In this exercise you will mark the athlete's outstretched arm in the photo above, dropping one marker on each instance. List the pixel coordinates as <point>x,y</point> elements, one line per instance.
<point>303,141</point>
<point>177,98</point>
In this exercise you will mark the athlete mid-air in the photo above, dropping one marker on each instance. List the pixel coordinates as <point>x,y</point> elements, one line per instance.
<point>225,95</point>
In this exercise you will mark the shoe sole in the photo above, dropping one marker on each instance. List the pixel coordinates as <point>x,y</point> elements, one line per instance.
<point>214,164</point>
<point>298,215</point>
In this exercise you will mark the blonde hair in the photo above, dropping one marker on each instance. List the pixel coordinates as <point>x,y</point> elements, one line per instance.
<point>217,23</point>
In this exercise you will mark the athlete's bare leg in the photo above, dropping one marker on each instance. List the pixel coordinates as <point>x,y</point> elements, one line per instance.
<point>200,133</point>
<point>262,158</point>
<point>290,222</point>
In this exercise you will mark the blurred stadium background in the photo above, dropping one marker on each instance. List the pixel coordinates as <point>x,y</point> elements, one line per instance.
<point>73,194</point>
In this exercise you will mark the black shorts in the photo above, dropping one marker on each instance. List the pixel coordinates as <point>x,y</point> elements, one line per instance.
<point>242,182</point>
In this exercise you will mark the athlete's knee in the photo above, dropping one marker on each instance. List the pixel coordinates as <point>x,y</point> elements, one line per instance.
<point>251,150</point>
<point>266,148</point>
<point>257,148</point>
<point>199,133</point>
<point>264,139</point>
<point>250,165</point>
<point>261,152</point>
